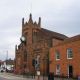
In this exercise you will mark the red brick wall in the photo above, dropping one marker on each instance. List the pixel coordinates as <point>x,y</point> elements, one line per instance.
<point>75,62</point>
<point>56,42</point>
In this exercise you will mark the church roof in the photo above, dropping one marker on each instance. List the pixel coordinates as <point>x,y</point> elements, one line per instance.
<point>52,34</point>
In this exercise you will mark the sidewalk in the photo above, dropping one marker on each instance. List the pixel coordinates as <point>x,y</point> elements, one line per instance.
<point>20,77</point>
<point>13,76</point>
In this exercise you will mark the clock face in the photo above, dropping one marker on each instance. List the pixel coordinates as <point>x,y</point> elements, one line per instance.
<point>23,38</point>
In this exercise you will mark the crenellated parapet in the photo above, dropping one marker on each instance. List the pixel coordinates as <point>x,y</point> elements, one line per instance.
<point>30,22</point>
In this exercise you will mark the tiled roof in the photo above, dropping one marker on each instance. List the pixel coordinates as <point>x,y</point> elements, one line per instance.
<point>74,38</point>
<point>71,39</point>
<point>52,34</point>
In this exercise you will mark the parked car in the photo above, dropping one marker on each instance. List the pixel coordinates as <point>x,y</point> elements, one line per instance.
<point>2,70</point>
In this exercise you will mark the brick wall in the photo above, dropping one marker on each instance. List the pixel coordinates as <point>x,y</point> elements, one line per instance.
<point>64,62</point>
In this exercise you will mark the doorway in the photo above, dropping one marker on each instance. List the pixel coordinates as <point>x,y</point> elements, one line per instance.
<point>70,71</point>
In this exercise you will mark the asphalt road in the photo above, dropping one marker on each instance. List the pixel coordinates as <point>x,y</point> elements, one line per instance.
<point>3,78</point>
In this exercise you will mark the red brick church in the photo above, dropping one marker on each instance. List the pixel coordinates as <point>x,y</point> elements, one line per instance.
<point>32,54</point>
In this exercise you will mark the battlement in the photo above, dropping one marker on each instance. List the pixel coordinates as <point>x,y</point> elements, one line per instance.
<point>30,22</point>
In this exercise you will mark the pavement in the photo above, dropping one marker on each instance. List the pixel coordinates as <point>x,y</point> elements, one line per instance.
<point>2,78</point>
<point>10,76</point>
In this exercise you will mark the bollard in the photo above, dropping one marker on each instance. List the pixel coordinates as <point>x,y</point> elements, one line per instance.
<point>38,74</point>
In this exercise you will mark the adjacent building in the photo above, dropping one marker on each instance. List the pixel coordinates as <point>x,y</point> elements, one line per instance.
<point>32,54</point>
<point>7,65</point>
<point>65,57</point>
<point>2,66</point>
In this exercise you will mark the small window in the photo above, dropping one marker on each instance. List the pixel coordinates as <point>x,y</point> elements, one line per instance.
<point>69,53</point>
<point>57,55</point>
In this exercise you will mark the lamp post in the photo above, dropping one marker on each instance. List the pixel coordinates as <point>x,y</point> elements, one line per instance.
<point>48,63</point>
<point>6,60</point>
<point>33,64</point>
<point>45,65</point>
<point>23,41</point>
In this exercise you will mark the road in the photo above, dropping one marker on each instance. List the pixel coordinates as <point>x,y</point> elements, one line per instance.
<point>5,76</point>
<point>2,78</point>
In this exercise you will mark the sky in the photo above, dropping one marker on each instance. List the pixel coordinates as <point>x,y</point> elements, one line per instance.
<point>62,16</point>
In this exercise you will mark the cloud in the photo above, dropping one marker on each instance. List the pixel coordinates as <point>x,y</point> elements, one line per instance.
<point>57,15</point>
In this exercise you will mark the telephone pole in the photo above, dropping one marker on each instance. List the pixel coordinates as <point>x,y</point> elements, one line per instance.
<point>6,59</point>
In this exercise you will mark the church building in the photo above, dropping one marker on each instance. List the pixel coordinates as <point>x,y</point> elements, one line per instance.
<point>32,54</point>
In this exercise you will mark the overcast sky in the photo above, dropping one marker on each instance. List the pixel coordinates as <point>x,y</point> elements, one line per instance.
<point>62,16</point>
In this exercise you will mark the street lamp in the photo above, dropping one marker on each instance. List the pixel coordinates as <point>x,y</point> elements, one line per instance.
<point>46,67</point>
<point>22,38</point>
<point>44,61</point>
